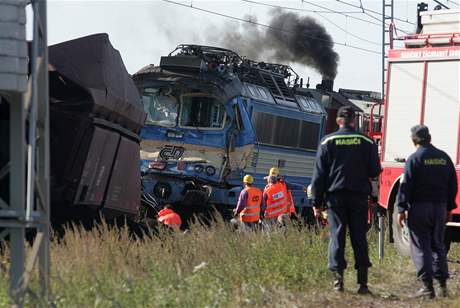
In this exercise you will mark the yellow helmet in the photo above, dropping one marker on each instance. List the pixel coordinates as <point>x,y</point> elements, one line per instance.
<point>274,171</point>
<point>248,179</point>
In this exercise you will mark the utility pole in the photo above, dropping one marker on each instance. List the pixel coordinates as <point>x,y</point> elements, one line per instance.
<point>26,94</point>
<point>387,38</point>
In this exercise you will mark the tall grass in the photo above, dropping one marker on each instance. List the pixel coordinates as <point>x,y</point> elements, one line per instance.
<point>213,267</point>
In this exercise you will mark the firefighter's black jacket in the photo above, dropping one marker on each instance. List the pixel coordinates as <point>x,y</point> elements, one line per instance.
<point>429,175</point>
<point>345,162</point>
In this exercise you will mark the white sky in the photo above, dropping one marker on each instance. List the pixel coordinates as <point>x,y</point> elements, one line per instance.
<point>145,30</point>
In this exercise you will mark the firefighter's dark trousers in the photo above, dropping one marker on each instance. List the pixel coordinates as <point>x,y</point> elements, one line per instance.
<point>427,224</point>
<point>347,210</point>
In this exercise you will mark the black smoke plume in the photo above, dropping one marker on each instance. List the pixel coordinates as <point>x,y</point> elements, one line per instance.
<point>289,38</point>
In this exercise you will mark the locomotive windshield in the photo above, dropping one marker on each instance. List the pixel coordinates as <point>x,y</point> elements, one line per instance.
<point>161,110</point>
<point>201,111</point>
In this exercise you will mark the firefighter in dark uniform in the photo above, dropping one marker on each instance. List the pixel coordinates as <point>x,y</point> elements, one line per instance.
<point>345,162</point>
<point>427,192</point>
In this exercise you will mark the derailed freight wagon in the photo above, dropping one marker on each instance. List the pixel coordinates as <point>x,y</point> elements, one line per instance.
<point>95,119</point>
<point>213,117</point>
<point>423,88</point>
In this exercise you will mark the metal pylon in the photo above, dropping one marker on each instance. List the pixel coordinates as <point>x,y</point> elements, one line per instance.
<point>28,205</point>
<point>387,37</point>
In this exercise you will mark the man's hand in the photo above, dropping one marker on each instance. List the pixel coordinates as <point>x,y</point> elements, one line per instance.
<point>402,219</point>
<point>449,216</point>
<point>317,212</point>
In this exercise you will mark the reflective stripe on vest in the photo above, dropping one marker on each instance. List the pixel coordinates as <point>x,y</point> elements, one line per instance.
<point>251,213</point>
<point>275,213</point>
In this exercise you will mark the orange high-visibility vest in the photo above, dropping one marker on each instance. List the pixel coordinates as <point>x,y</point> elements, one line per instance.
<point>169,218</point>
<point>290,208</point>
<point>276,200</point>
<point>251,213</point>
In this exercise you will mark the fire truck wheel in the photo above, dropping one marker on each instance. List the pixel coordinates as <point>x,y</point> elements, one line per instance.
<point>400,236</point>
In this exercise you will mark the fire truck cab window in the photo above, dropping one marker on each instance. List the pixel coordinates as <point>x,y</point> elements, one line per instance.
<point>161,109</point>
<point>202,111</point>
<point>281,131</point>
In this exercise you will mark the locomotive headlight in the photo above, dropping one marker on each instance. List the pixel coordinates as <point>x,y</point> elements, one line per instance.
<point>198,168</point>
<point>174,134</point>
<point>162,190</point>
<point>210,170</point>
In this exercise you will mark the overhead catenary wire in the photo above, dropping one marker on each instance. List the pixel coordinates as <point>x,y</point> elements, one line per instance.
<point>319,13</point>
<point>361,5</point>
<point>441,4</point>
<point>348,32</point>
<point>366,12</point>
<point>266,26</point>
<point>340,13</point>
<point>453,2</point>
<point>372,11</point>
<point>303,10</point>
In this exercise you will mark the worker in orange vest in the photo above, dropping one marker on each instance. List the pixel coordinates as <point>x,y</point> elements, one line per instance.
<point>248,207</point>
<point>275,199</point>
<point>288,187</point>
<point>169,218</point>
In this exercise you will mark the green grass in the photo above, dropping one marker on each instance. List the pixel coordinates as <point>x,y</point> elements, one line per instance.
<point>219,268</point>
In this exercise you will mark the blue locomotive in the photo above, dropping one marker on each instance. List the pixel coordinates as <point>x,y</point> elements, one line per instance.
<point>213,116</point>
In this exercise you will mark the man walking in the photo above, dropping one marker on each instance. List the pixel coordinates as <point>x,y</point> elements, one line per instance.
<point>345,162</point>
<point>288,188</point>
<point>427,192</point>
<point>248,207</point>
<point>275,200</point>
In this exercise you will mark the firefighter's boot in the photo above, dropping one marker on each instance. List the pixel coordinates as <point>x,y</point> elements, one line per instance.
<point>362,281</point>
<point>338,281</point>
<point>427,291</point>
<point>443,287</point>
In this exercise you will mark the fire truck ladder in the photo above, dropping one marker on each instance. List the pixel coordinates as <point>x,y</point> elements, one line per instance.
<point>387,37</point>
<point>27,171</point>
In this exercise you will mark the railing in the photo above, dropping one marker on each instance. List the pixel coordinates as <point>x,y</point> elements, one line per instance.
<point>428,40</point>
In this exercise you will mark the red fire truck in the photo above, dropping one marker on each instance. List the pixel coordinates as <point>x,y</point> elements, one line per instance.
<point>423,88</point>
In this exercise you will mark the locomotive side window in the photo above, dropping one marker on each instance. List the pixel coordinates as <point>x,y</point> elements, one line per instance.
<point>202,111</point>
<point>160,109</point>
<point>286,132</point>
<point>309,133</point>
<point>264,126</point>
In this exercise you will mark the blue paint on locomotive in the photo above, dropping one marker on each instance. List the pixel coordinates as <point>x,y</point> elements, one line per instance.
<point>258,129</point>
